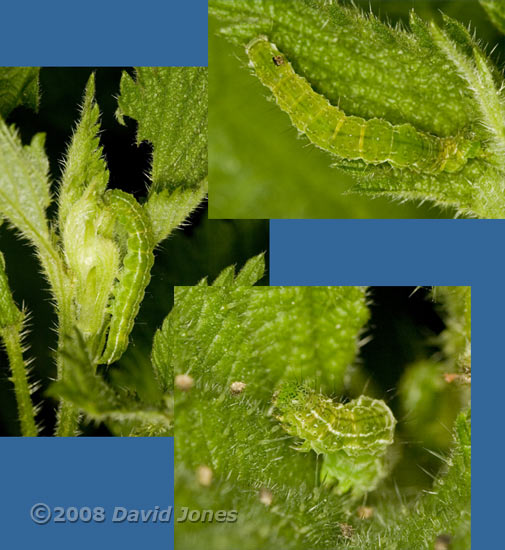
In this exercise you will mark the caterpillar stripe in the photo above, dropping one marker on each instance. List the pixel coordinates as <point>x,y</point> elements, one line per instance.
<point>353,438</point>
<point>364,426</point>
<point>373,141</point>
<point>135,273</point>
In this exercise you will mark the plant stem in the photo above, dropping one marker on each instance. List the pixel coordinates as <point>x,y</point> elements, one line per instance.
<point>68,420</point>
<point>11,336</point>
<point>68,415</point>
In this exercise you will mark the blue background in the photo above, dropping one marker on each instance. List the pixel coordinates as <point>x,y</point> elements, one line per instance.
<point>131,472</point>
<point>422,252</point>
<point>104,33</point>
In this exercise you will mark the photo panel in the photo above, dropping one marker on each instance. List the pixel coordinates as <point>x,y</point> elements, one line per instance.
<point>367,109</point>
<point>321,417</point>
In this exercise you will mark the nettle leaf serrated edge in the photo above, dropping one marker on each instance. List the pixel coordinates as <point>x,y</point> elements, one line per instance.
<point>24,198</point>
<point>346,54</point>
<point>169,209</point>
<point>24,185</point>
<point>258,336</point>
<point>162,350</point>
<point>84,164</point>
<point>170,106</point>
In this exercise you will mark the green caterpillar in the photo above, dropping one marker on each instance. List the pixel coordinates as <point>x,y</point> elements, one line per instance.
<point>130,218</point>
<point>373,141</point>
<point>353,437</point>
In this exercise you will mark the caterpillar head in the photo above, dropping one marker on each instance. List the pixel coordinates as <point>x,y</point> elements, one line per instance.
<point>290,398</point>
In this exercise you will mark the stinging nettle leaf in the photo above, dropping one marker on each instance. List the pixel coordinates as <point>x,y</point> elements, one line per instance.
<point>18,86</point>
<point>24,184</point>
<point>168,209</point>
<point>102,402</point>
<point>359,63</point>
<point>478,73</point>
<point>284,331</point>
<point>84,164</point>
<point>170,106</point>
<point>164,350</point>
<point>433,89</point>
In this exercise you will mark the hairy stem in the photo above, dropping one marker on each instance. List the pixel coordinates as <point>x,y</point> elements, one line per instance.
<point>68,415</point>
<point>52,263</point>
<point>11,336</point>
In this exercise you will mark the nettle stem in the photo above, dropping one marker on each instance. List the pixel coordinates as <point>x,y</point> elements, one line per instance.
<point>11,328</point>
<point>12,339</point>
<point>67,421</point>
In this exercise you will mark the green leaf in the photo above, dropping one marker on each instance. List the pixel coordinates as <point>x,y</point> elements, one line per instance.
<point>266,518</point>
<point>252,271</point>
<point>445,510</point>
<point>258,169</point>
<point>223,334</point>
<point>24,185</point>
<point>473,192</point>
<point>438,81</point>
<point>166,338</point>
<point>496,11</point>
<point>18,86</point>
<point>102,402</point>
<point>480,76</point>
<point>287,332</point>
<point>160,356</point>
<point>84,163</point>
<point>227,333</point>
<point>168,209</point>
<point>170,106</point>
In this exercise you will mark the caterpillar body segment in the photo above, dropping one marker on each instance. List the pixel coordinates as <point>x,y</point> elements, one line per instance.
<point>375,141</point>
<point>362,426</point>
<point>135,273</point>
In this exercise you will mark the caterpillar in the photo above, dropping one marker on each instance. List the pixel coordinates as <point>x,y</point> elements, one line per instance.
<point>374,141</point>
<point>362,425</point>
<point>129,217</point>
<point>353,437</point>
